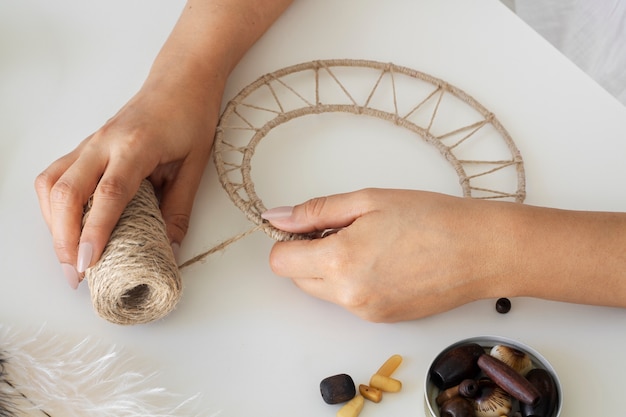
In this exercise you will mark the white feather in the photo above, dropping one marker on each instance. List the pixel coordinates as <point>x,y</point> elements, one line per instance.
<point>46,375</point>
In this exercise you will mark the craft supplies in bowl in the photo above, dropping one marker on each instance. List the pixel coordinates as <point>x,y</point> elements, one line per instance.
<point>491,376</point>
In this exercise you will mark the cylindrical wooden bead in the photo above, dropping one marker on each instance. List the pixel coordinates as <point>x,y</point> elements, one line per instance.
<point>509,379</point>
<point>455,365</point>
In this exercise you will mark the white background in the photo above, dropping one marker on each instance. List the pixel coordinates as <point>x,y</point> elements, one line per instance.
<point>248,341</point>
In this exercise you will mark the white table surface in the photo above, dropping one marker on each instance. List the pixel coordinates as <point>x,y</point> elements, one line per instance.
<point>248,341</point>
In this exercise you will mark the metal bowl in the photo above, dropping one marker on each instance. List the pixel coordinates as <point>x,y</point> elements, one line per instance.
<point>431,391</point>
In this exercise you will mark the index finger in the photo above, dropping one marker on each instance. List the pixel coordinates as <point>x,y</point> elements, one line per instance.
<point>67,198</point>
<point>118,185</point>
<point>46,180</point>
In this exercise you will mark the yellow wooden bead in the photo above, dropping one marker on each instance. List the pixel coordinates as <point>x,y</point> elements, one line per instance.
<point>371,393</point>
<point>388,368</point>
<point>385,383</point>
<point>352,408</point>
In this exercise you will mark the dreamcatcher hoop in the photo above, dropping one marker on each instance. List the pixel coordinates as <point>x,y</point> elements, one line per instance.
<point>245,122</point>
<point>248,118</point>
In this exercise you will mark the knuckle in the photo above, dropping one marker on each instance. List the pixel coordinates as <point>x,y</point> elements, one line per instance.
<point>336,263</point>
<point>370,196</point>
<point>338,260</point>
<point>352,297</point>
<point>62,245</point>
<point>376,316</point>
<point>64,249</point>
<point>352,289</point>
<point>43,182</point>
<point>177,226</point>
<point>367,305</point>
<point>63,192</point>
<point>351,293</point>
<point>132,145</point>
<point>315,207</point>
<point>122,141</point>
<point>112,188</point>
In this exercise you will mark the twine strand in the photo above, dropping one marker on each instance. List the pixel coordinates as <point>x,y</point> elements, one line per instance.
<point>223,245</point>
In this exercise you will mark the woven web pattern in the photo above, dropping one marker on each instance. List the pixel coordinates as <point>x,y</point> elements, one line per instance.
<point>467,135</point>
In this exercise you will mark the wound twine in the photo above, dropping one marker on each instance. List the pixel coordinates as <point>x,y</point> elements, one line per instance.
<point>137,280</point>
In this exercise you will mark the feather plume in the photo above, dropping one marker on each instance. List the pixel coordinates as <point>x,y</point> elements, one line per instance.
<point>45,375</point>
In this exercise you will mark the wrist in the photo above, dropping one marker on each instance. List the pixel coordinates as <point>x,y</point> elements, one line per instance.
<point>563,255</point>
<point>178,86</point>
<point>500,249</point>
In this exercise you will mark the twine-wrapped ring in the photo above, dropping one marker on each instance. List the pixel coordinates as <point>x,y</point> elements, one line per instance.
<point>300,90</point>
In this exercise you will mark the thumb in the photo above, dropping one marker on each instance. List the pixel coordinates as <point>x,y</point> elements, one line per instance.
<point>331,212</point>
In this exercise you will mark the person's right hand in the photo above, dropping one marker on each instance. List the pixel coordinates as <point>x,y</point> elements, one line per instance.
<point>163,133</point>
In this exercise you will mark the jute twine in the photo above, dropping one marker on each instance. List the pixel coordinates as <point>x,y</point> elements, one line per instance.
<point>137,279</point>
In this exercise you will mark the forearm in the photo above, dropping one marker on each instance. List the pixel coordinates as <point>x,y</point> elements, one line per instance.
<point>569,256</point>
<point>207,42</point>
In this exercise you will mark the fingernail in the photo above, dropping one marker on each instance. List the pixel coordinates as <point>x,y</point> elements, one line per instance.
<point>175,249</point>
<point>277,213</point>
<point>71,275</point>
<point>85,251</point>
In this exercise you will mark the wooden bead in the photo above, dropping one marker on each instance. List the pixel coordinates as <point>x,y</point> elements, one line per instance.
<point>457,407</point>
<point>455,365</point>
<point>371,393</point>
<point>503,305</point>
<point>468,388</point>
<point>543,381</point>
<point>509,379</point>
<point>385,383</point>
<point>447,394</point>
<point>337,389</point>
<point>390,365</point>
<point>492,401</point>
<point>352,407</point>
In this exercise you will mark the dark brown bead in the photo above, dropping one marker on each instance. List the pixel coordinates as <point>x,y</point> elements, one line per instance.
<point>455,365</point>
<point>543,381</point>
<point>503,305</point>
<point>468,388</point>
<point>447,394</point>
<point>337,389</point>
<point>509,379</point>
<point>457,407</point>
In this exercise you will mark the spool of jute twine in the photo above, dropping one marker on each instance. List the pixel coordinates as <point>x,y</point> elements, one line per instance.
<point>137,280</point>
